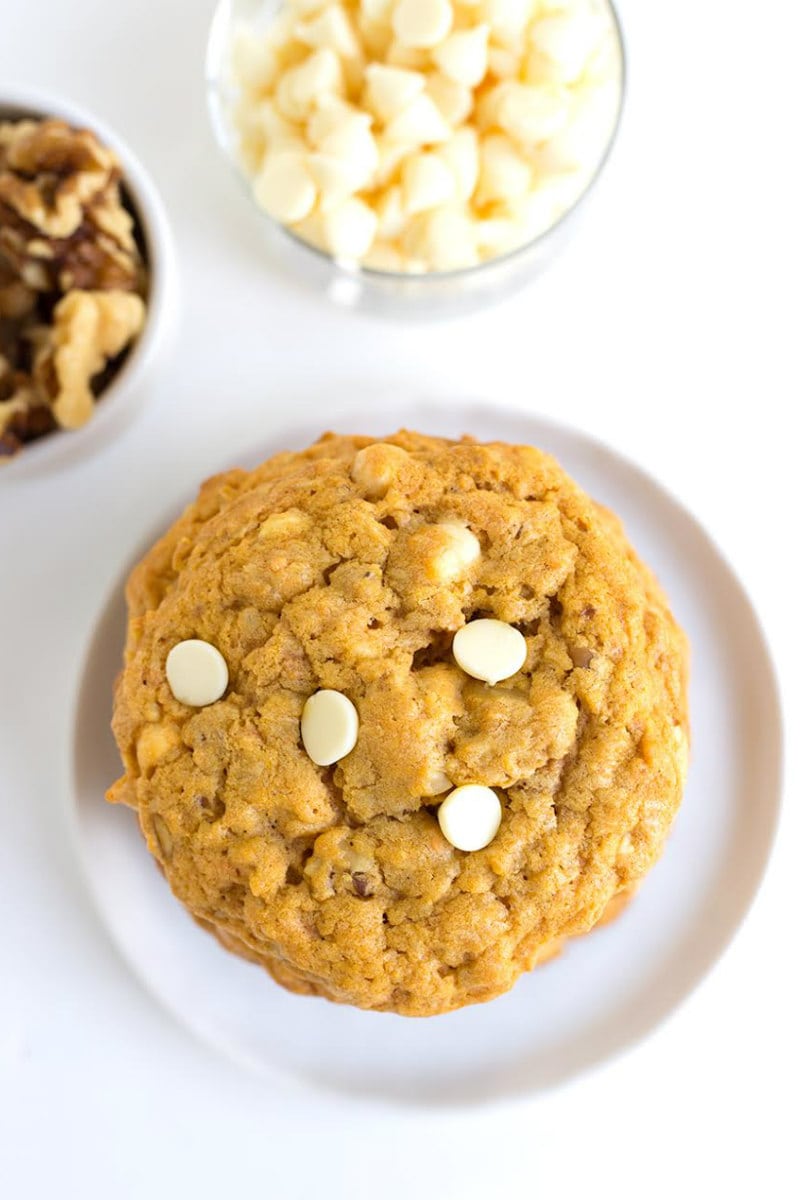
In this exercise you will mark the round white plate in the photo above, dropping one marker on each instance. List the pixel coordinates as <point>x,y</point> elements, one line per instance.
<point>606,991</point>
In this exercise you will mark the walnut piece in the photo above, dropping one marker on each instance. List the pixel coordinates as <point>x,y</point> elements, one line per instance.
<point>72,278</point>
<point>52,173</point>
<point>89,328</point>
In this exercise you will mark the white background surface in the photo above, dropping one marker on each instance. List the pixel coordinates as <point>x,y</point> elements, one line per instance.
<point>669,327</point>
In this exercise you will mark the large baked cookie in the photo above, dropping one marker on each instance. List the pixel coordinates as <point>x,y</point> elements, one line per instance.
<point>349,568</point>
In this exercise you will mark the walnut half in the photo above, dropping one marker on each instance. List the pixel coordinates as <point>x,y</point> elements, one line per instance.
<point>89,329</point>
<point>51,173</point>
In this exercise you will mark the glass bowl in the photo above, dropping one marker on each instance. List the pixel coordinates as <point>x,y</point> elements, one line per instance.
<point>350,284</point>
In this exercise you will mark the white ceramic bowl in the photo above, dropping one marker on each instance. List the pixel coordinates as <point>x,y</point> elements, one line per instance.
<point>125,392</point>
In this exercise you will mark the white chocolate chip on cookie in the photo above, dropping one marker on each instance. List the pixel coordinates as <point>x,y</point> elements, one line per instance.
<point>375,467</point>
<point>489,650</point>
<point>470,816</point>
<point>328,727</point>
<point>436,783</point>
<point>461,551</point>
<point>196,673</point>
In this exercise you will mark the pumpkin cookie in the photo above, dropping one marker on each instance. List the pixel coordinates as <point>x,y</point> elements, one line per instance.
<point>398,717</point>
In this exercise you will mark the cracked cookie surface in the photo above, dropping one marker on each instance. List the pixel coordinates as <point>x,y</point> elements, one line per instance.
<point>331,568</point>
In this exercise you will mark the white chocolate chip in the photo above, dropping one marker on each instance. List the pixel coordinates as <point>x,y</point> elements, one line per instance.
<point>391,89</point>
<point>427,182</point>
<point>488,105</point>
<point>375,468</point>
<point>408,57</point>
<point>197,673</point>
<point>352,143</point>
<point>539,70</point>
<point>419,124</point>
<point>280,33</point>
<point>155,743</point>
<point>436,783</point>
<point>379,12</point>
<point>390,156</point>
<point>532,114</point>
<point>567,39</point>
<point>332,116</point>
<point>285,188</point>
<point>504,173</point>
<point>392,215</point>
<point>498,235</point>
<point>461,552</point>
<point>383,256</point>
<point>444,239</point>
<point>503,64</point>
<point>292,522</point>
<point>279,133</point>
<point>350,229</point>
<point>454,101</point>
<point>462,156</point>
<point>255,62</point>
<point>331,29</point>
<point>328,727</point>
<point>470,816</point>
<point>336,179</point>
<point>300,87</point>
<point>508,19</point>
<point>422,23</point>
<point>489,650</point>
<point>375,38</point>
<point>463,56</point>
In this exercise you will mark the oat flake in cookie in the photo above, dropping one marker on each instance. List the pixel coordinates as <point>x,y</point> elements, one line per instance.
<point>332,569</point>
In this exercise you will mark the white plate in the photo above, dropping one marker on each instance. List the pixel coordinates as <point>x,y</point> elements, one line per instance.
<point>606,991</point>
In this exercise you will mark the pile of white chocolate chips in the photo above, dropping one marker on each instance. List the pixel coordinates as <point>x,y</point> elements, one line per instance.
<point>424,135</point>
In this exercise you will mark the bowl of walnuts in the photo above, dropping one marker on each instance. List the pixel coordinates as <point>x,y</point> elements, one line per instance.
<point>86,278</point>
